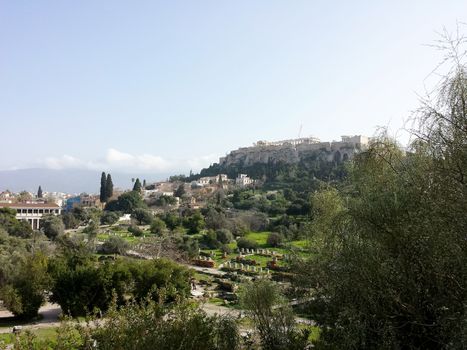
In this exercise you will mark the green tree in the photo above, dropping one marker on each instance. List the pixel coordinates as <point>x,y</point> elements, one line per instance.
<point>272,317</point>
<point>13,226</point>
<point>194,223</point>
<point>23,293</point>
<point>274,239</point>
<point>52,226</point>
<point>171,220</point>
<point>143,216</point>
<point>180,191</point>
<point>137,186</point>
<point>224,236</point>
<point>103,190</point>
<point>39,192</point>
<point>390,269</point>
<point>109,217</point>
<point>109,188</point>
<point>128,202</point>
<point>69,220</point>
<point>158,226</point>
<point>115,245</point>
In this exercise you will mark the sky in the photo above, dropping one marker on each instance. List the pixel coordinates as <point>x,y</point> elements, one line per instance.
<point>169,86</point>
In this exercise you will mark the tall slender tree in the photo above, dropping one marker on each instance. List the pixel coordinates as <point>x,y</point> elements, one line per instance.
<point>39,192</point>
<point>109,187</point>
<point>144,183</point>
<point>103,191</point>
<point>137,186</point>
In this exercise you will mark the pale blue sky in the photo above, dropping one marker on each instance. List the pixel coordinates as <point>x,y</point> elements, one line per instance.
<point>171,85</point>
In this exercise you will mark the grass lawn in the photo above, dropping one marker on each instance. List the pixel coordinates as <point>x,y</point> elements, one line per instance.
<point>259,237</point>
<point>49,333</point>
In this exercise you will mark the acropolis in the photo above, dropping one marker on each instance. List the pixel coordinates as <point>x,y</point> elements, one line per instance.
<point>291,151</point>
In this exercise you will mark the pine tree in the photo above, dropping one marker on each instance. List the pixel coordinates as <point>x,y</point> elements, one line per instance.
<point>103,192</point>
<point>144,183</point>
<point>39,192</point>
<point>109,187</point>
<point>137,186</point>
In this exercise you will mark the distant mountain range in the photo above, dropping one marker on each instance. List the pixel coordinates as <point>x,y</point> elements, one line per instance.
<point>66,180</point>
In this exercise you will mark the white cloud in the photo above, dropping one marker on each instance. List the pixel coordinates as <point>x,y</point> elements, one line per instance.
<point>126,162</point>
<point>63,162</point>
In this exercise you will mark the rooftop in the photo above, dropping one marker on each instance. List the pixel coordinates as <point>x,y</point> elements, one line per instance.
<point>29,205</point>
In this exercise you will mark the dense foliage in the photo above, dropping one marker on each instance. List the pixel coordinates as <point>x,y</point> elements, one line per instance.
<point>389,268</point>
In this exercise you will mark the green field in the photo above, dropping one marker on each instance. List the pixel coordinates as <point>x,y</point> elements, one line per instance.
<point>41,334</point>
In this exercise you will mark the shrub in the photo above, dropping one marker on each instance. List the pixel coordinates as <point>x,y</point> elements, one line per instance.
<point>136,231</point>
<point>109,218</point>
<point>224,236</point>
<point>274,239</point>
<point>246,243</point>
<point>158,226</point>
<point>115,245</point>
<point>143,216</point>
<point>226,249</point>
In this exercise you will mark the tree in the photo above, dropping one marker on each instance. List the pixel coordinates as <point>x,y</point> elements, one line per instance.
<point>39,192</point>
<point>137,186</point>
<point>12,225</point>
<point>109,217</point>
<point>246,243</point>
<point>158,226</point>
<point>180,191</point>
<point>23,293</point>
<point>143,216</point>
<point>274,239</point>
<point>109,188</point>
<point>69,220</point>
<point>144,183</point>
<point>52,226</point>
<point>177,326</point>
<point>272,317</point>
<point>115,245</point>
<point>194,223</point>
<point>171,220</point>
<point>103,190</point>
<point>224,236</point>
<point>128,202</point>
<point>390,269</point>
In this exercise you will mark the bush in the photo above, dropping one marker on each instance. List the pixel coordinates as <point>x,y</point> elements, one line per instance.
<point>109,217</point>
<point>274,239</point>
<point>226,249</point>
<point>158,226</point>
<point>135,231</point>
<point>246,243</point>
<point>143,216</point>
<point>115,245</point>
<point>224,236</point>
<point>52,226</point>
<point>210,241</point>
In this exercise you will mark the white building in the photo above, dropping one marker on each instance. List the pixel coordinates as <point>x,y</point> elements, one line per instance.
<point>243,180</point>
<point>210,180</point>
<point>32,212</point>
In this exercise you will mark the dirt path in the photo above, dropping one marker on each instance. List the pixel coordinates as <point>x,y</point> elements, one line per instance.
<point>50,318</point>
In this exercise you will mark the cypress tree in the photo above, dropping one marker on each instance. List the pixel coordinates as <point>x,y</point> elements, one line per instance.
<point>137,186</point>
<point>144,183</point>
<point>39,192</point>
<point>103,191</point>
<point>109,187</point>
